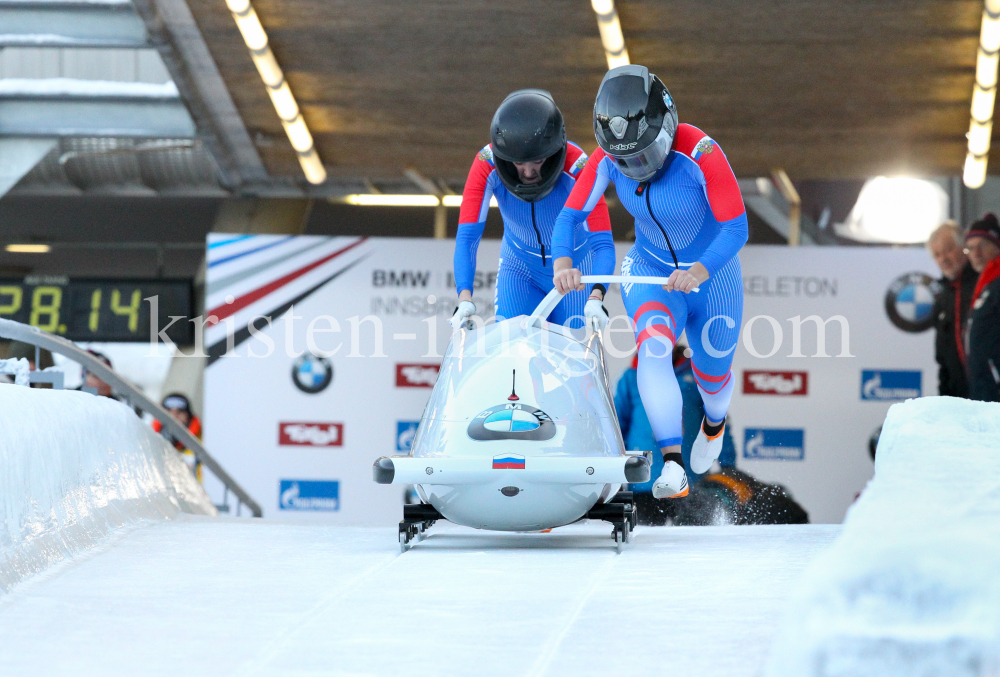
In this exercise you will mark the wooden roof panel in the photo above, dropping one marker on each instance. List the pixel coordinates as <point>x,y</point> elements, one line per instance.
<point>824,88</point>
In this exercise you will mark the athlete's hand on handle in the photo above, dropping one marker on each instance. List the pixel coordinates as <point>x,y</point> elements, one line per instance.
<point>566,278</point>
<point>596,314</point>
<point>687,280</point>
<point>463,312</point>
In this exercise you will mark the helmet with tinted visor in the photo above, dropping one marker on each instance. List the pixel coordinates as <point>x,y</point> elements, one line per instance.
<point>635,120</point>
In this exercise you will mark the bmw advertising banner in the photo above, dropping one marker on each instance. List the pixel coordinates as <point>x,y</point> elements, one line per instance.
<point>322,352</point>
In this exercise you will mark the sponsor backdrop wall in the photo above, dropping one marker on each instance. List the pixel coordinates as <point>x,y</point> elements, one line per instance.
<point>299,416</point>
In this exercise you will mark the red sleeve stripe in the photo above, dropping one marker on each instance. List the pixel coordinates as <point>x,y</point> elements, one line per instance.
<point>585,182</point>
<point>720,184</point>
<point>475,190</point>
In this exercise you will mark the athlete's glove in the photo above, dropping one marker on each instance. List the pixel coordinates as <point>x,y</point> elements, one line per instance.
<point>596,314</point>
<point>463,312</point>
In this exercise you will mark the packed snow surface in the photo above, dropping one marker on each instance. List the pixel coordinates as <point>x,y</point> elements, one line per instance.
<point>74,468</point>
<point>224,596</point>
<point>912,586</point>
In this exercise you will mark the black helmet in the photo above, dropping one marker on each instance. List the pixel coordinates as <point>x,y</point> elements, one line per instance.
<point>635,120</point>
<point>528,127</point>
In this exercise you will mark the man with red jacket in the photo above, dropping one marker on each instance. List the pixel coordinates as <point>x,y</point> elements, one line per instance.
<point>982,244</point>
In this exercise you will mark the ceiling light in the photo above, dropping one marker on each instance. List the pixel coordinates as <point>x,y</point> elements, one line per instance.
<point>983,96</point>
<point>277,88</point>
<point>974,175</point>
<point>611,33</point>
<point>298,134</point>
<point>267,66</point>
<point>982,103</point>
<point>28,248</point>
<point>897,210</point>
<point>384,200</point>
<point>979,137</point>
<point>312,166</point>
<point>456,201</point>
<point>249,25</point>
<point>284,102</point>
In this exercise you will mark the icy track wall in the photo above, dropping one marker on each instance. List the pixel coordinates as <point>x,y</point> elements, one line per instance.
<point>912,585</point>
<point>73,468</point>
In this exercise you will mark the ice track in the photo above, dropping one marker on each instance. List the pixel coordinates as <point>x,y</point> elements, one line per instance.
<point>216,596</point>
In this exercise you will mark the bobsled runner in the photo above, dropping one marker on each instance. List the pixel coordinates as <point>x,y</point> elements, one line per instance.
<point>520,433</point>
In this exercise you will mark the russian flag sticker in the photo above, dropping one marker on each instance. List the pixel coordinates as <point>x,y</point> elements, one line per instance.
<point>508,462</point>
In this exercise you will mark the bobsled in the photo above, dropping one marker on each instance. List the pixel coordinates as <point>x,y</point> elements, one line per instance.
<point>520,433</point>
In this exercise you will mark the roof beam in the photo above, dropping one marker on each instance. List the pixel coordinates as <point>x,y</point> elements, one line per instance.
<point>193,69</point>
<point>66,107</point>
<point>70,24</point>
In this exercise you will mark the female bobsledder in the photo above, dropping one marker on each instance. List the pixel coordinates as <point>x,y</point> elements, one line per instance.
<point>689,224</point>
<point>530,168</point>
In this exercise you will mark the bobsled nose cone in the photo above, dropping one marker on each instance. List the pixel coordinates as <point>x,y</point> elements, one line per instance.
<point>637,470</point>
<point>384,471</point>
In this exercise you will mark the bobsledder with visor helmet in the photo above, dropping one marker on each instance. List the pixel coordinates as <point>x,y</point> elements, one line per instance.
<point>635,120</point>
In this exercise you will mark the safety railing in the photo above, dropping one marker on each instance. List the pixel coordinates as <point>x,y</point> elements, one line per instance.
<point>134,396</point>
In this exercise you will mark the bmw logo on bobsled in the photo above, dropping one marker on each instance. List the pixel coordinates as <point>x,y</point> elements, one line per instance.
<point>550,455</point>
<point>512,421</point>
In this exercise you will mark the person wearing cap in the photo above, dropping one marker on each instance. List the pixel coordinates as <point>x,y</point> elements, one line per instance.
<point>94,382</point>
<point>951,307</point>
<point>530,168</point>
<point>19,349</point>
<point>179,407</point>
<point>982,245</point>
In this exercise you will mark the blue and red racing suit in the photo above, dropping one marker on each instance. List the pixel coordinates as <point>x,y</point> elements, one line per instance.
<point>524,275</point>
<point>690,211</point>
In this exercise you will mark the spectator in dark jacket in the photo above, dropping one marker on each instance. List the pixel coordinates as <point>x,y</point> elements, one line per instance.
<point>982,244</point>
<point>951,307</point>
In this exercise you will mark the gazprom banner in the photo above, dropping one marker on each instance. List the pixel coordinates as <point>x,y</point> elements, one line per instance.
<point>322,352</point>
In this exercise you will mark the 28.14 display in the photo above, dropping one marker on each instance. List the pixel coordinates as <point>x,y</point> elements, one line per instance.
<point>99,310</point>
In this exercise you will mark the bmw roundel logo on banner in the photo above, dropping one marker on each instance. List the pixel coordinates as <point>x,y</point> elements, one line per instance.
<point>311,373</point>
<point>909,302</point>
<point>512,421</point>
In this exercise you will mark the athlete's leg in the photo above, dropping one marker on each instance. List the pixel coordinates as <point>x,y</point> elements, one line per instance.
<point>659,317</point>
<point>713,332</point>
<point>516,292</point>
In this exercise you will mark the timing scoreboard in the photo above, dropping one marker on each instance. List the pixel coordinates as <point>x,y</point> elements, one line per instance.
<point>99,309</point>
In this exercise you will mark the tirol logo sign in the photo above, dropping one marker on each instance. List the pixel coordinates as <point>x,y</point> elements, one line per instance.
<point>890,385</point>
<point>909,302</point>
<point>775,383</point>
<point>309,495</point>
<point>774,444</point>
<point>405,432</point>
<point>416,375</point>
<point>311,434</point>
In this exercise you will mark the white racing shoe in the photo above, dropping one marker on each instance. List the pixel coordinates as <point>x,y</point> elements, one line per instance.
<point>673,482</point>
<point>706,449</point>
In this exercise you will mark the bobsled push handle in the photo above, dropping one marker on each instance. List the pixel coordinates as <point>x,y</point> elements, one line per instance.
<point>552,299</point>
